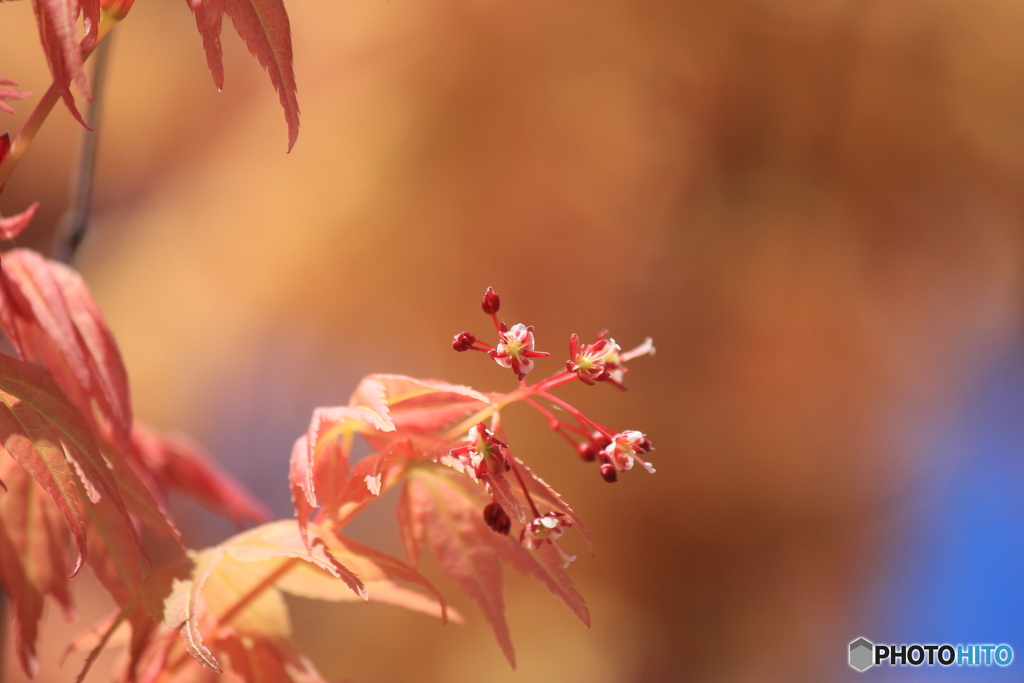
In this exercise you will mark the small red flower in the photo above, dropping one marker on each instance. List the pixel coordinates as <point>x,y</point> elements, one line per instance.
<point>603,360</point>
<point>547,527</point>
<point>590,362</point>
<point>515,349</point>
<point>624,449</point>
<point>484,454</point>
<point>615,360</point>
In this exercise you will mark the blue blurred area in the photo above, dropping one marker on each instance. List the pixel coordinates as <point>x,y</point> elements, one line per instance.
<point>958,566</point>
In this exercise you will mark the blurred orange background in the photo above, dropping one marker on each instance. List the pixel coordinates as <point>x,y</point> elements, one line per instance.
<point>814,208</point>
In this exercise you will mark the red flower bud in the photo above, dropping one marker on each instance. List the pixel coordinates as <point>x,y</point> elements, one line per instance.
<point>599,440</point>
<point>463,341</point>
<point>497,519</point>
<point>491,302</point>
<point>608,473</point>
<point>588,451</point>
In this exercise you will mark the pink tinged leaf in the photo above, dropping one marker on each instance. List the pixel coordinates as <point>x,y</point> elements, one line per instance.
<point>182,606</point>
<point>283,539</point>
<point>9,94</point>
<point>33,543</point>
<point>58,325</point>
<point>410,528</point>
<point>369,476</point>
<point>425,406</point>
<point>43,458</point>
<point>306,581</point>
<point>450,524</point>
<point>544,564</point>
<point>56,19</point>
<point>143,610</point>
<point>112,555</point>
<point>37,298</point>
<point>36,391</point>
<point>331,469</point>
<point>108,376</point>
<point>111,630</point>
<point>143,497</point>
<point>263,25</point>
<point>550,500</point>
<point>208,15</point>
<point>91,17</point>
<point>262,660</point>
<point>177,463</point>
<point>392,389</point>
<point>300,477</point>
<point>503,494</point>
<point>11,227</point>
<point>371,393</point>
<point>375,565</point>
<point>330,423</point>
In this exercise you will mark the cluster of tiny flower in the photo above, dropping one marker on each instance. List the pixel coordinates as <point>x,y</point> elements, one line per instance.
<point>602,361</point>
<point>548,527</point>
<point>484,455</point>
<point>515,347</point>
<point>616,453</point>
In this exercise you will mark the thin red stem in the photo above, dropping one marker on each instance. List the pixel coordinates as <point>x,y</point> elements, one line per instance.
<point>557,424</point>
<point>526,491</point>
<point>557,380</point>
<point>43,109</point>
<point>583,419</point>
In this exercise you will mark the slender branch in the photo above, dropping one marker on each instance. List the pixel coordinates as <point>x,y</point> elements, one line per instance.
<point>76,221</point>
<point>44,107</point>
<point>580,417</point>
<point>28,131</point>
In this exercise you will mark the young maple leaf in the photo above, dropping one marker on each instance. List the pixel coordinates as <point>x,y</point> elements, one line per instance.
<point>50,441</point>
<point>33,547</point>
<point>49,438</point>
<point>12,226</point>
<point>230,603</point>
<point>387,410</point>
<point>443,509</point>
<point>56,20</point>
<point>65,416</point>
<point>51,319</point>
<point>6,95</point>
<point>264,26</point>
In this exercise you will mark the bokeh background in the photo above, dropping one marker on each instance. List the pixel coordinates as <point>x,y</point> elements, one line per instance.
<point>815,208</point>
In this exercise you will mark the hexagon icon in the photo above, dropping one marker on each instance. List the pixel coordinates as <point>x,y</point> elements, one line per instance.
<point>862,653</point>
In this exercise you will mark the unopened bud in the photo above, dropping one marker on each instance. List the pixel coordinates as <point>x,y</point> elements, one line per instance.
<point>497,519</point>
<point>608,473</point>
<point>588,451</point>
<point>463,341</point>
<point>491,302</point>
